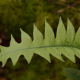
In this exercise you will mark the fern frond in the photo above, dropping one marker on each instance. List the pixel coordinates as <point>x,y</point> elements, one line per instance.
<point>66,43</point>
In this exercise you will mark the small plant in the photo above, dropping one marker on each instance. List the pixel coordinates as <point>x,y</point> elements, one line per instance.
<point>66,43</point>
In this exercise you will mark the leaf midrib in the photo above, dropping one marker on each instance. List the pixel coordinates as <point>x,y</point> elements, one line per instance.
<point>69,46</point>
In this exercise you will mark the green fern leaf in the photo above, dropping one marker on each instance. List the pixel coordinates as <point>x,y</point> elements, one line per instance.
<point>66,43</point>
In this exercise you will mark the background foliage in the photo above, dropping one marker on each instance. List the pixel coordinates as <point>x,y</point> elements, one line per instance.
<point>16,14</point>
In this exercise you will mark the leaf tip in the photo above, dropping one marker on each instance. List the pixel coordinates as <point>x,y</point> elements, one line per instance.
<point>12,36</point>
<point>61,59</point>
<point>60,19</point>
<point>21,30</point>
<point>28,61</point>
<point>68,20</point>
<point>45,21</point>
<point>3,63</point>
<point>34,26</point>
<point>49,61</point>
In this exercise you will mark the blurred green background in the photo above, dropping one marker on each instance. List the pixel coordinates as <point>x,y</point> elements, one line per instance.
<point>16,14</point>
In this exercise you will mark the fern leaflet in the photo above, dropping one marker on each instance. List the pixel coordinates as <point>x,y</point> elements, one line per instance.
<point>66,43</point>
